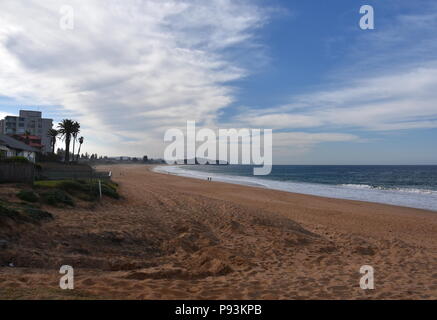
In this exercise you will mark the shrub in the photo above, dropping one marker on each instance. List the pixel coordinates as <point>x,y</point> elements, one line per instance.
<point>107,190</point>
<point>71,186</point>
<point>37,215</point>
<point>16,160</point>
<point>25,215</point>
<point>28,195</point>
<point>57,198</point>
<point>83,189</point>
<point>6,212</point>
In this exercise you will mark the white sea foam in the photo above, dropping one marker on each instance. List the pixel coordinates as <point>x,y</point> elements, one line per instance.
<point>407,190</point>
<point>414,198</point>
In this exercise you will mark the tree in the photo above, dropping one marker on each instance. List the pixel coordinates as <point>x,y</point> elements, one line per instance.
<point>66,129</point>
<point>53,134</point>
<point>80,146</point>
<point>27,137</point>
<point>76,130</point>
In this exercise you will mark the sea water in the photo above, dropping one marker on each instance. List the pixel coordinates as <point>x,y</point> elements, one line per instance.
<point>409,186</point>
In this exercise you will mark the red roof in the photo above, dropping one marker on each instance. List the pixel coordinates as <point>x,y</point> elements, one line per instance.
<point>30,137</point>
<point>33,141</point>
<point>36,145</point>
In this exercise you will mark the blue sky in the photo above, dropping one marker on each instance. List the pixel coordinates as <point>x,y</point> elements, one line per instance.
<point>333,93</point>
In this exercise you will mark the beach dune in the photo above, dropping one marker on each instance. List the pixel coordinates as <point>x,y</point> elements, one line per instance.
<point>178,238</point>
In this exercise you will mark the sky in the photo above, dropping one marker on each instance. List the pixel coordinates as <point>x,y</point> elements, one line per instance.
<point>129,70</point>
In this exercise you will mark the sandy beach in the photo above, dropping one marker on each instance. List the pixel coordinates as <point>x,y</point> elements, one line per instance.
<point>172,237</point>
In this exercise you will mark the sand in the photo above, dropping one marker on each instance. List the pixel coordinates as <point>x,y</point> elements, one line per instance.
<point>178,238</point>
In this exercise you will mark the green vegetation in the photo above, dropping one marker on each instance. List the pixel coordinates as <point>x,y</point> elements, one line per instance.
<point>59,193</point>
<point>86,190</point>
<point>69,129</point>
<point>53,134</point>
<point>23,214</point>
<point>108,189</point>
<point>9,213</point>
<point>46,184</point>
<point>16,160</point>
<point>37,215</point>
<point>57,198</point>
<point>28,196</point>
<point>73,186</point>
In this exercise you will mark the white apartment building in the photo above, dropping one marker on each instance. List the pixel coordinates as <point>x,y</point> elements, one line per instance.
<point>30,121</point>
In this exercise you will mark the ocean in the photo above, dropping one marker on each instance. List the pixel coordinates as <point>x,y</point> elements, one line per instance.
<point>409,186</point>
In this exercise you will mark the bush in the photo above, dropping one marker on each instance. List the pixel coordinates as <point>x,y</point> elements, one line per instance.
<point>37,215</point>
<point>16,160</point>
<point>6,212</point>
<point>71,186</point>
<point>57,198</point>
<point>25,215</point>
<point>28,195</point>
<point>107,190</point>
<point>82,189</point>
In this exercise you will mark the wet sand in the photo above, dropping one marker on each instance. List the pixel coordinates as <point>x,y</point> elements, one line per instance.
<point>179,238</point>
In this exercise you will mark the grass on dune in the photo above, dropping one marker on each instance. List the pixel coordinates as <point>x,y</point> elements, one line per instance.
<point>84,189</point>
<point>23,214</point>
<point>28,196</point>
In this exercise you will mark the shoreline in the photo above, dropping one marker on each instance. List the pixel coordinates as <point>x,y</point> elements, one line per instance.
<point>173,237</point>
<point>303,188</point>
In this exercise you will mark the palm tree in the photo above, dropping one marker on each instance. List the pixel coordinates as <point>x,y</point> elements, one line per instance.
<point>75,132</point>
<point>80,146</point>
<point>52,134</point>
<point>66,129</point>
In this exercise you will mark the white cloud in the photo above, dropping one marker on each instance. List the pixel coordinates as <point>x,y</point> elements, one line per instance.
<point>3,115</point>
<point>386,83</point>
<point>405,100</point>
<point>130,68</point>
<point>304,139</point>
<point>292,147</point>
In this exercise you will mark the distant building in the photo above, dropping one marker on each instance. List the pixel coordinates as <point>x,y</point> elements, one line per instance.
<point>31,122</point>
